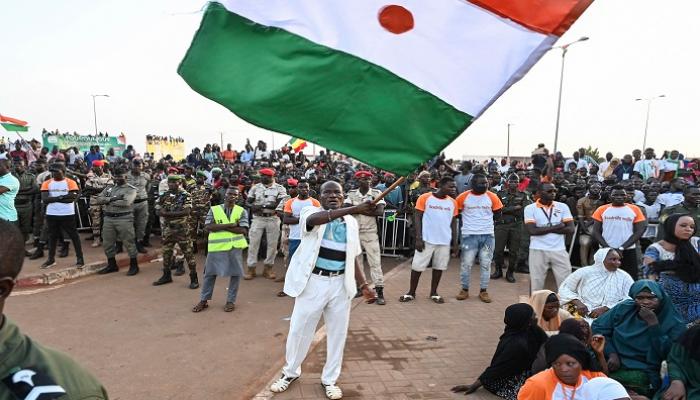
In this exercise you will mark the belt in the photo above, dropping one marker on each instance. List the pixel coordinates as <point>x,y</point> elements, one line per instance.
<point>327,272</point>
<point>115,215</point>
<point>259,214</point>
<point>140,200</point>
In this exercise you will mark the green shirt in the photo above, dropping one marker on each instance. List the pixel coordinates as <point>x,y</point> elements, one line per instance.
<point>27,366</point>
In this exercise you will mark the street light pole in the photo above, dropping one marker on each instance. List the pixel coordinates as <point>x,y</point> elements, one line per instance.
<point>646,124</point>
<point>508,145</point>
<point>94,108</point>
<point>564,50</point>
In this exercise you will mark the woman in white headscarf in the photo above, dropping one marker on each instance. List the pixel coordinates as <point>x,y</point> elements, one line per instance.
<point>591,291</point>
<point>604,389</point>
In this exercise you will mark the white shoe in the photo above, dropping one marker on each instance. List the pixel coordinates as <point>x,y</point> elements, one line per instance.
<point>333,392</point>
<point>282,384</point>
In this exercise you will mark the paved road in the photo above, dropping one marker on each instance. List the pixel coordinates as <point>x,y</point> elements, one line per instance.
<point>143,342</point>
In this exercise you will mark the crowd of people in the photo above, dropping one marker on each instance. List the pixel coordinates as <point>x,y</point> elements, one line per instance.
<point>628,223</point>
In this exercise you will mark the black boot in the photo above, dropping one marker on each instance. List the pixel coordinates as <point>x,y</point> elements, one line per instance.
<point>111,266</point>
<point>119,247</point>
<point>133,267</point>
<point>194,282</point>
<point>509,275</point>
<point>63,252</point>
<point>180,268</point>
<point>38,253</point>
<point>166,278</point>
<point>497,272</point>
<point>522,268</point>
<point>140,248</point>
<point>146,243</point>
<point>380,295</point>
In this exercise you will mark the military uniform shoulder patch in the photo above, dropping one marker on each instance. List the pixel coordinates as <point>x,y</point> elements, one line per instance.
<point>30,384</point>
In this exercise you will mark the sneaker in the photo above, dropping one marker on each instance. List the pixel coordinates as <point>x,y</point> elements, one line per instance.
<point>463,294</point>
<point>48,264</point>
<point>484,296</point>
<point>282,384</point>
<point>333,392</point>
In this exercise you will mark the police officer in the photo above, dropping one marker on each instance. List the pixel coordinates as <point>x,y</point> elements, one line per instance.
<point>508,228</point>
<point>117,201</point>
<point>369,239</point>
<point>28,188</point>
<point>263,199</point>
<point>140,181</point>
<point>97,181</point>
<point>175,207</point>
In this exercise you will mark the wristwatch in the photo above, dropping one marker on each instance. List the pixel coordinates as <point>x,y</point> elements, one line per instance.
<point>621,248</point>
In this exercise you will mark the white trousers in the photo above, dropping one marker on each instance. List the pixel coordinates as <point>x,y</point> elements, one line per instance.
<point>322,295</point>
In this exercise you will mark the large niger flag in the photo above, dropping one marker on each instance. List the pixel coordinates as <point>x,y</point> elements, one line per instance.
<point>388,83</point>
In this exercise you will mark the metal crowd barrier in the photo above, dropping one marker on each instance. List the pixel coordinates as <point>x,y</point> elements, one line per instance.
<point>82,213</point>
<point>394,233</point>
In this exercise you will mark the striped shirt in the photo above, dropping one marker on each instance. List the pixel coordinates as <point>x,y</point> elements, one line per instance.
<point>331,256</point>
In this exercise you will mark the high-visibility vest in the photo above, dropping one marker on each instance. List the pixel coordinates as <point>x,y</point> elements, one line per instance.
<point>224,240</point>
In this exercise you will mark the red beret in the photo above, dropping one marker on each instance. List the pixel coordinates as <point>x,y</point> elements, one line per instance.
<point>173,169</point>
<point>98,163</point>
<point>389,175</point>
<point>267,171</point>
<point>363,174</point>
<point>292,182</point>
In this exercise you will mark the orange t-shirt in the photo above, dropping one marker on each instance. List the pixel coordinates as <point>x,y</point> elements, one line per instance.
<point>546,386</point>
<point>229,155</point>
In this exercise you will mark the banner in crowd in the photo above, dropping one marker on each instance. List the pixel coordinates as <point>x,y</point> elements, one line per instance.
<point>161,148</point>
<point>83,142</point>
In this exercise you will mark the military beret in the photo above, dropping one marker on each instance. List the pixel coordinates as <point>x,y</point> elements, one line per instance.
<point>267,171</point>
<point>389,175</point>
<point>363,174</point>
<point>98,163</point>
<point>174,178</point>
<point>173,170</point>
<point>292,182</point>
<point>202,173</point>
<point>215,169</point>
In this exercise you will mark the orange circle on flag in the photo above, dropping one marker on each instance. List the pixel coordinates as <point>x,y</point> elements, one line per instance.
<point>396,19</point>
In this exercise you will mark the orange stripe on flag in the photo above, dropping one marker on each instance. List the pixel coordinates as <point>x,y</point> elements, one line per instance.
<point>544,16</point>
<point>12,120</point>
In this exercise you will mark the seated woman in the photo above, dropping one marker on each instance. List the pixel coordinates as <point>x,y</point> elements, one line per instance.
<point>579,329</point>
<point>591,291</point>
<point>676,263</point>
<point>516,349</point>
<point>638,336</point>
<point>684,368</point>
<point>546,306</point>
<point>570,371</point>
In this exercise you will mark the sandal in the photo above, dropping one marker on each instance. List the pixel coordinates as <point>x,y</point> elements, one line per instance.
<point>200,306</point>
<point>333,392</point>
<point>437,299</point>
<point>282,384</point>
<point>281,293</point>
<point>229,307</point>
<point>406,298</point>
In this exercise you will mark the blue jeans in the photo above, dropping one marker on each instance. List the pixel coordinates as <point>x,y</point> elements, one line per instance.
<point>472,245</point>
<point>293,246</point>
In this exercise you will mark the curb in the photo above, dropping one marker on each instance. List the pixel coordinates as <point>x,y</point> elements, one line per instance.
<point>71,273</point>
<point>270,376</point>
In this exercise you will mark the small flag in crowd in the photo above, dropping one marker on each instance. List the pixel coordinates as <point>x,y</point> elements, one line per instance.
<point>297,144</point>
<point>390,84</point>
<point>391,217</point>
<point>13,124</point>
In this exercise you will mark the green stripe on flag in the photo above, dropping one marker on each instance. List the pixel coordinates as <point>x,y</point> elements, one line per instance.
<point>14,127</point>
<point>285,83</point>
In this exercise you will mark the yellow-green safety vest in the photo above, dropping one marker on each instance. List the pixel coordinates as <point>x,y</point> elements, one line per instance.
<point>223,240</point>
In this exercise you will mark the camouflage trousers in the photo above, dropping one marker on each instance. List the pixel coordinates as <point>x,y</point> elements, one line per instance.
<point>96,220</point>
<point>183,240</point>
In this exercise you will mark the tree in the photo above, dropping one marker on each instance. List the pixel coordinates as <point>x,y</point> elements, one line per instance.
<point>594,153</point>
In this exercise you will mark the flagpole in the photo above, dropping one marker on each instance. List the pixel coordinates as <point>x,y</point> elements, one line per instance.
<point>389,190</point>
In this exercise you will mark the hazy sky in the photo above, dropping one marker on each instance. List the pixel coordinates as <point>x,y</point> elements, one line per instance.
<point>55,54</point>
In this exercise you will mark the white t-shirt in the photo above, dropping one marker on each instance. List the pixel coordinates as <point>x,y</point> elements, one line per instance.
<point>541,215</point>
<point>437,218</point>
<point>477,212</point>
<point>618,222</point>
<point>294,207</point>
<point>59,188</point>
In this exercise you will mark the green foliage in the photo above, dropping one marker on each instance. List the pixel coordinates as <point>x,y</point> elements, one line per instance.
<point>594,153</point>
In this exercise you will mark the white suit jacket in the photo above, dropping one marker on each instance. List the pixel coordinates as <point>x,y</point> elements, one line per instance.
<point>304,259</point>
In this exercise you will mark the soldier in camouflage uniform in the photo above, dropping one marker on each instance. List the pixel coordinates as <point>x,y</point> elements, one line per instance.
<point>175,207</point>
<point>139,180</point>
<point>508,228</point>
<point>97,181</point>
<point>201,193</point>
<point>28,188</point>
